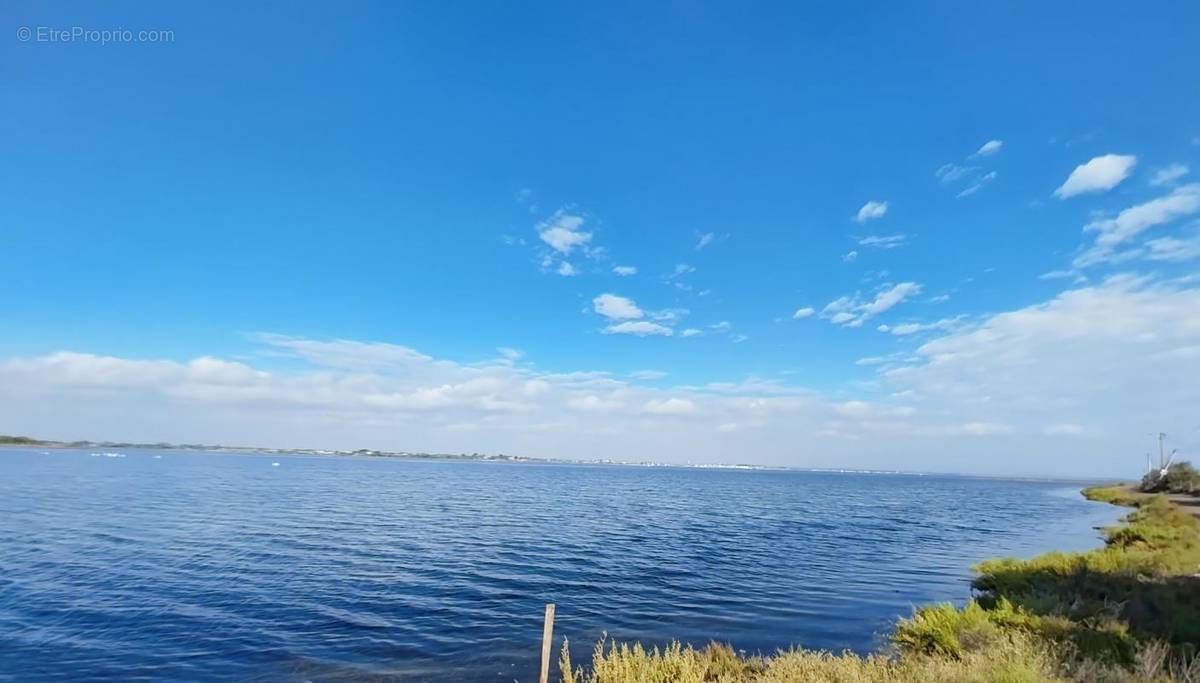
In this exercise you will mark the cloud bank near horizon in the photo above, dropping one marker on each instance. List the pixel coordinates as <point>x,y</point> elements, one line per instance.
<point>1070,386</point>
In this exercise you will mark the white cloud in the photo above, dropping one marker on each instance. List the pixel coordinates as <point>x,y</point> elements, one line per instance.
<point>1110,358</point>
<point>893,358</point>
<point>1128,224</point>
<point>563,232</point>
<point>647,374</point>
<point>705,240</point>
<point>989,148</point>
<point>882,241</point>
<point>949,173</point>
<point>1168,174</point>
<point>681,269</point>
<point>850,256</point>
<point>977,185</point>
<point>982,429</point>
<point>905,329</point>
<point>670,406</point>
<point>1173,249</point>
<point>1064,429</point>
<point>670,314</point>
<point>802,313</point>
<point>566,269</point>
<point>691,332</point>
<point>509,353</point>
<point>888,298</point>
<point>1101,174</point>
<point>594,404</point>
<point>853,311</point>
<point>616,307</point>
<point>974,177</point>
<point>723,326</point>
<point>1114,354</point>
<point>871,210</point>
<point>640,328</point>
<point>625,271</point>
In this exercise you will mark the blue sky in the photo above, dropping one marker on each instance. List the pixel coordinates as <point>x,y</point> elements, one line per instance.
<point>415,176</point>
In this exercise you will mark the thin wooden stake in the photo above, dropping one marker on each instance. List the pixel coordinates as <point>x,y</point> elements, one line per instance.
<point>547,642</point>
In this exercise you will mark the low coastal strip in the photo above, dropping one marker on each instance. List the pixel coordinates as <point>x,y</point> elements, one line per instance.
<point>1128,611</point>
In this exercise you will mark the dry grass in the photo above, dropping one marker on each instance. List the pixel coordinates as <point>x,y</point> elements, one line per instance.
<point>1010,661</point>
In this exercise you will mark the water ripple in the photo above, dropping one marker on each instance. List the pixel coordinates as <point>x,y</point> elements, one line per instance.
<point>221,567</point>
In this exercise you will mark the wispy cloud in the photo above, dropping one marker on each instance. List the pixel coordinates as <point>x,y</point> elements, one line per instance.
<point>881,241</point>
<point>1129,223</point>
<point>971,178</point>
<point>871,211</point>
<point>625,271</point>
<point>988,148</point>
<point>647,374</point>
<point>708,239</point>
<point>949,173</point>
<point>670,315</point>
<point>802,313</point>
<point>675,277</point>
<point>905,329</point>
<point>1100,174</point>
<point>1174,249</point>
<point>639,328</point>
<point>1168,174</point>
<point>508,353</point>
<point>976,185</point>
<point>854,311</point>
<point>850,256</point>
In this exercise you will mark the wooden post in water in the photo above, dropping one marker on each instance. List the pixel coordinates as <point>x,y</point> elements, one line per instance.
<point>547,642</point>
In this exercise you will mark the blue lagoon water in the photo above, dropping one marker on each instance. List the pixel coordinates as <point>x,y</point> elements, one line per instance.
<point>166,565</point>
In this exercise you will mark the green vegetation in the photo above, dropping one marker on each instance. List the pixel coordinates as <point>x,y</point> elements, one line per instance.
<point>1180,477</point>
<point>1129,611</point>
<point>1014,659</point>
<point>1116,494</point>
<point>18,440</point>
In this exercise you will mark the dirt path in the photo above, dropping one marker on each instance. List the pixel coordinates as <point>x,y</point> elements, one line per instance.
<point>1189,503</point>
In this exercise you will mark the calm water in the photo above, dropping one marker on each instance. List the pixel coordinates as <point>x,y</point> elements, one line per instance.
<point>199,566</point>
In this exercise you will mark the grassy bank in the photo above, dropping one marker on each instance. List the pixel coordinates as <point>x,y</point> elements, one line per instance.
<point>1129,611</point>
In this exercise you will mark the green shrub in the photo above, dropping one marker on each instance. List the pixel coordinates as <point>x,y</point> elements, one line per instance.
<point>1117,494</point>
<point>1180,477</point>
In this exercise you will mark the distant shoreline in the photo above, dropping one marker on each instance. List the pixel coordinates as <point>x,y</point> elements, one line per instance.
<point>29,442</point>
